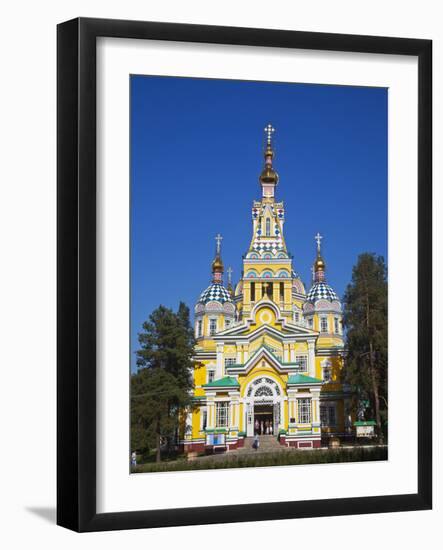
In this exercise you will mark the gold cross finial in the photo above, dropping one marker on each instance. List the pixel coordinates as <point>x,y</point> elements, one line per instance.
<point>269,130</point>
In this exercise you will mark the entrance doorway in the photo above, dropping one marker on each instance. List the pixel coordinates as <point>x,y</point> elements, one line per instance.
<point>263,419</point>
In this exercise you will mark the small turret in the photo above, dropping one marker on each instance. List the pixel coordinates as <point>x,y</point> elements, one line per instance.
<point>320,289</point>
<point>215,309</point>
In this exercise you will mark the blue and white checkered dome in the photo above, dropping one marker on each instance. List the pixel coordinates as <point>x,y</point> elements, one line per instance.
<point>321,291</point>
<point>215,293</point>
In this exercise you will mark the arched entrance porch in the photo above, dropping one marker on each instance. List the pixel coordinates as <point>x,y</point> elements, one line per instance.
<point>264,407</point>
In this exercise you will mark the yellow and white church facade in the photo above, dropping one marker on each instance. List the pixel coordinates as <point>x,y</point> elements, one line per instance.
<point>269,355</point>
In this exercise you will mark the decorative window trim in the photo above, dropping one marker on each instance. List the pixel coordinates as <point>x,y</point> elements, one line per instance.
<point>326,366</point>
<point>337,325</point>
<point>210,375</point>
<point>255,385</point>
<point>304,410</point>
<point>324,318</point>
<point>211,321</point>
<point>297,316</point>
<point>221,414</point>
<point>304,360</point>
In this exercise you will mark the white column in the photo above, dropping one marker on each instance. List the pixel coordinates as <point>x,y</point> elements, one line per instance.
<point>234,410</point>
<point>286,353</point>
<point>211,413</point>
<point>311,358</point>
<point>315,406</point>
<point>291,407</point>
<point>239,357</point>
<point>219,372</point>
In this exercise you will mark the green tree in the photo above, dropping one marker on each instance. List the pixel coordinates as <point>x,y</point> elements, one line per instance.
<point>167,342</point>
<point>161,389</point>
<point>366,322</point>
<point>152,392</point>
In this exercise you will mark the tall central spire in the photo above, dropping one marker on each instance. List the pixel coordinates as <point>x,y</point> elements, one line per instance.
<point>268,177</point>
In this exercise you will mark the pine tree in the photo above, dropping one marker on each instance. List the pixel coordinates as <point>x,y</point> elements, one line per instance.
<point>366,323</point>
<point>152,392</point>
<point>161,389</point>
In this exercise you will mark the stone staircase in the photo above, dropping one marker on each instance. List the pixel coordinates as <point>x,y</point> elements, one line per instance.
<point>268,444</point>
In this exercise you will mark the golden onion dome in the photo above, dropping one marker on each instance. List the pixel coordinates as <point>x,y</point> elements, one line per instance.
<point>217,264</point>
<point>269,175</point>
<point>319,264</point>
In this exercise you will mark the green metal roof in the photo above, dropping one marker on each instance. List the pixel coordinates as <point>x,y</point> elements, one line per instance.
<point>227,381</point>
<point>301,379</point>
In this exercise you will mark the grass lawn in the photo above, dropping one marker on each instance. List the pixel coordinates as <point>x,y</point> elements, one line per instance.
<point>282,458</point>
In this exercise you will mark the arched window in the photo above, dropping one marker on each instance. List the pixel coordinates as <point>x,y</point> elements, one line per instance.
<point>268,227</point>
<point>263,390</point>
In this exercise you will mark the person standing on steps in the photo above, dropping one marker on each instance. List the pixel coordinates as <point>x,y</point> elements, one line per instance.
<point>256,443</point>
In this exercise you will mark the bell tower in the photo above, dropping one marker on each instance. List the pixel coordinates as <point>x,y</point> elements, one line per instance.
<point>267,266</point>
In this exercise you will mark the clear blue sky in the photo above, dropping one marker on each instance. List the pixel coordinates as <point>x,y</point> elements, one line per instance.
<point>196,154</point>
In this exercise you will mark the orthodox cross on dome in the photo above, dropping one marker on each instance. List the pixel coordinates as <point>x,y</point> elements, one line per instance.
<point>318,239</point>
<point>218,240</point>
<point>229,272</point>
<point>269,130</point>
<point>313,273</point>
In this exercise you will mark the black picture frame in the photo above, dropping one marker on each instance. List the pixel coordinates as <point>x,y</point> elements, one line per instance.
<point>76,265</point>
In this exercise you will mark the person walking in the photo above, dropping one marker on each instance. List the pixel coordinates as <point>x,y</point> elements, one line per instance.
<point>256,443</point>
